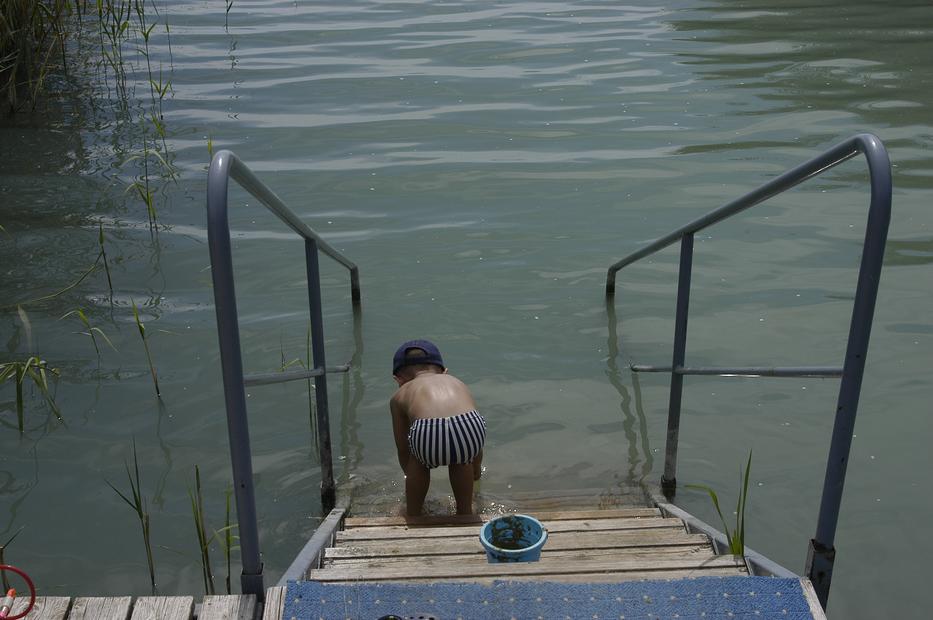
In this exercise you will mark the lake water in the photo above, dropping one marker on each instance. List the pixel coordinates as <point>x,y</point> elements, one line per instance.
<point>483,164</point>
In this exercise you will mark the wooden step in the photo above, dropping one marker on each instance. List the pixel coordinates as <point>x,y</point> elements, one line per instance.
<point>467,571</point>
<point>557,541</point>
<point>570,525</point>
<point>447,520</point>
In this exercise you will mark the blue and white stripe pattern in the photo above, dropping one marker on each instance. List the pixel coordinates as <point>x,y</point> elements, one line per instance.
<point>447,441</point>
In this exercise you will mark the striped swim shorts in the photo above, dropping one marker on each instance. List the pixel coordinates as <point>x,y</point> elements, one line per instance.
<point>447,441</point>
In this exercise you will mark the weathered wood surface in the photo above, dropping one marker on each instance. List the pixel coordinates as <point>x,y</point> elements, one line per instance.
<point>565,555</point>
<point>575,525</point>
<point>453,520</point>
<point>584,546</point>
<point>242,607</point>
<point>144,608</point>
<point>557,541</point>
<point>275,603</point>
<point>46,608</point>
<point>813,601</point>
<point>163,608</point>
<point>446,571</point>
<point>101,608</point>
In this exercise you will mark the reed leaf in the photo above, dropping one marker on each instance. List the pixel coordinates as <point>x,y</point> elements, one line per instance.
<point>3,547</point>
<point>138,504</point>
<point>204,541</point>
<point>142,334</point>
<point>103,254</point>
<point>37,371</point>
<point>736,537</point>
<point>91,330</point>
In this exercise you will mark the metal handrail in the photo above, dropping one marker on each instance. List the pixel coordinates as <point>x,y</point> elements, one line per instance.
<point>225,166</point>
<point>821,552</point>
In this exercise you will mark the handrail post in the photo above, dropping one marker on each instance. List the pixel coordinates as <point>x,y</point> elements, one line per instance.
<point>821,553</point>
<point>669,479</point>
<point>328,489</point>
<point>218,241</point>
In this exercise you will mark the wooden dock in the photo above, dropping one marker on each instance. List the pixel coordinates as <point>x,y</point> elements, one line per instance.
<point>599,546</point>
<point>239,607</point>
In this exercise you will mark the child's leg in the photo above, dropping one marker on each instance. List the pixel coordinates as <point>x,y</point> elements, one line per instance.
<point>417,481</point>
<point>478,465</point>
<point>461,481</point>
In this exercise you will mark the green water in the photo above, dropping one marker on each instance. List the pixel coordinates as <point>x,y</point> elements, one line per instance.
<point>483,164</point>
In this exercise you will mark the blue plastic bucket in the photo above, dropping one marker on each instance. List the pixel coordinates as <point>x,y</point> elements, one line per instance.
<point>513,538</point>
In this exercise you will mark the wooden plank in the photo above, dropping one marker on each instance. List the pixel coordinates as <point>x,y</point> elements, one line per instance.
<point>237,607</point>
<point>46,607</point>
<point>446,520</point>
<point>556,541</point>
<point>582,525</point>
<point>569,555</point>
<point>597,577</point>
<point>163,608</point>
<point>275,603</point>
<point>101,608</point>
<point>813,601</point>
<point>450,570</point>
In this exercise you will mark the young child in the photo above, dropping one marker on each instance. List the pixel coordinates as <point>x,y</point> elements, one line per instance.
<point>435,423</point>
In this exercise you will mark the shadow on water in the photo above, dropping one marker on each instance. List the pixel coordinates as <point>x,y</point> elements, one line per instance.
<point>632,409</point>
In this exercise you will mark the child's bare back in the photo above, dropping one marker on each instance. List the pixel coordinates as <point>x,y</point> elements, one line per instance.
<point>435,423</point>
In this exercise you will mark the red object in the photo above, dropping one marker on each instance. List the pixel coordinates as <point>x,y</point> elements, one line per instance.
<point>32,591</point>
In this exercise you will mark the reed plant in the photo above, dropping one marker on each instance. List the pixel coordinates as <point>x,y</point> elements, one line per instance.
<point>200,524</point>
<point>31,32</point>
<point>736,537</point>
<point>5,579</point>
<point>138,504</point>
<point>37,371</point>
<point>142,334</point>
<point>92,331</point>
<point>103,255</point>
<point>226,537</point>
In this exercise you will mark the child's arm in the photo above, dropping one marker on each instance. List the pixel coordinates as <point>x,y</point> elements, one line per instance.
<point>400,427</point>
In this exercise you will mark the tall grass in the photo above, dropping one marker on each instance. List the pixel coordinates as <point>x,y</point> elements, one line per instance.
<point>142,334</point>
<point>204,541</point>
<point>37,371</point>
<point>138,504</point>
<point>32,37</point>
<point>736,537</point>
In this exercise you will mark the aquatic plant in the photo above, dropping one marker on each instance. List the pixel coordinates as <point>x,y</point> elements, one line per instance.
<point>31,31</point>
<point>142,334</point>
<point>38,371</point>
<point>103,255</point>
<point>736,538</point>
<point>138,504</point>
<point>5,578</point>
<point>204,541</point>
<point>91,330</point>
<point>226,537</point>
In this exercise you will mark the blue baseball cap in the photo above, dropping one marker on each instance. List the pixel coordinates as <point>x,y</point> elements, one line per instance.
<point>431,355</point>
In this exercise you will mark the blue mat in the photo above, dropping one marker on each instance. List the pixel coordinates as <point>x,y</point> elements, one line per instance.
<point>701,598</point>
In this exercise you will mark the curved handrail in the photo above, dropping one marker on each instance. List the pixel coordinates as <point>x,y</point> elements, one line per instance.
<point>821,553</point>
<point>879,167</point>
<point>226,165</point>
